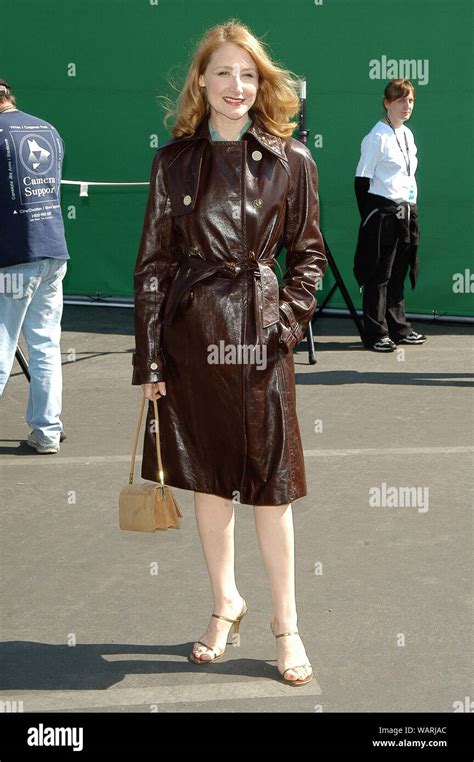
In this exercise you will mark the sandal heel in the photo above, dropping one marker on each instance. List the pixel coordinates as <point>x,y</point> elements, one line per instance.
<point>236,634</point>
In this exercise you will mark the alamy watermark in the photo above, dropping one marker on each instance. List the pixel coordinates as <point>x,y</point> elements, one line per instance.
<point>8,706</point>
<point>399,497</point>
<point>463,283</point>
<point>464,705</point>
<point>12,283</point>
<point>405,68</point>
<point>43,735</point>
<point>237,354</point>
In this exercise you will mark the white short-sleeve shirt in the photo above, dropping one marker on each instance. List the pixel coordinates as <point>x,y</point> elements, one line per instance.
<point>382,161</point>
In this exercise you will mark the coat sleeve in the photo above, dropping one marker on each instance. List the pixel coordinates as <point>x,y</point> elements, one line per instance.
<point>155,266</point>
<point>305,256</point>
<point>361,189</point>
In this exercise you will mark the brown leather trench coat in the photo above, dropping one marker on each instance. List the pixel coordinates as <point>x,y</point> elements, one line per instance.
<point>211,319</point>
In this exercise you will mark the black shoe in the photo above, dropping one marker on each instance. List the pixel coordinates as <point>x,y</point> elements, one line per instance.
<point>384,345</point>
<point>412,338</point>
<point>62,436</point>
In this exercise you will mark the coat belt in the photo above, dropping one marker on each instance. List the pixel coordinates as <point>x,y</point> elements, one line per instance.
<point>193,269</point>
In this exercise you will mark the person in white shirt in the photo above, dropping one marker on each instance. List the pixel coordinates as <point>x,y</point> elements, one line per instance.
<point>387,246</point>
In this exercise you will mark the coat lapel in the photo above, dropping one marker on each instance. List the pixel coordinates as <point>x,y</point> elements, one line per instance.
<point>270,142</point>
<point>184,169</point>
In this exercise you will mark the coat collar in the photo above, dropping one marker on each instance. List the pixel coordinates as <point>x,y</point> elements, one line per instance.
<point>271,142</point>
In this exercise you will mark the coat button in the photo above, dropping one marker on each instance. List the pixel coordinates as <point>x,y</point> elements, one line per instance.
<point>256,155</point>
<point>251,254</point>
<point>153,366</point>
<point>258,203</point>
<point>187,200</point>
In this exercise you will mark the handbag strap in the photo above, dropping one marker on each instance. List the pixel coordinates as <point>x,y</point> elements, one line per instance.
<point>135,442</point>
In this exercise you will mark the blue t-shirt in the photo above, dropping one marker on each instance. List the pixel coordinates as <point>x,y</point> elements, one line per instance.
<point>31,222</point>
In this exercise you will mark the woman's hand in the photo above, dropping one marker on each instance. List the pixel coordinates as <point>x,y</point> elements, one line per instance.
<point>154,391</point>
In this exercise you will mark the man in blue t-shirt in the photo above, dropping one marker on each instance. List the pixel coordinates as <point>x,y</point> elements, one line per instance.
<point>33,262</point>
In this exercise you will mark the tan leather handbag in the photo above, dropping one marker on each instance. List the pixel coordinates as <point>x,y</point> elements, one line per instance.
<point>148,507</point>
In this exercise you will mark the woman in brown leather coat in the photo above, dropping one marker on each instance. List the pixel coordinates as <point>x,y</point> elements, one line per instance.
<point>214,330</point>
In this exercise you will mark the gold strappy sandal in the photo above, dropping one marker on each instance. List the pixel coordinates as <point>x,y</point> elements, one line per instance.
<point>298,681</point>
<point>235,636</point>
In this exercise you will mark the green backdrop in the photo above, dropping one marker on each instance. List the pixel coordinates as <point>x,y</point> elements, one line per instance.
<point>94,68</point>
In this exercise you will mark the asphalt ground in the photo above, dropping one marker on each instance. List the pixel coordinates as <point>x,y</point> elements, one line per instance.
<point>95,619</point>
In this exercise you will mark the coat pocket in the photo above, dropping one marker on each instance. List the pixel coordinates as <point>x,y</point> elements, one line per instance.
<point>290,331</point>
<point>181,202</point>
<point>183,180</point>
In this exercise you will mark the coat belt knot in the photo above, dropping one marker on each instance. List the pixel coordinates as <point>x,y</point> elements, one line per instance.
<point>194,268</point>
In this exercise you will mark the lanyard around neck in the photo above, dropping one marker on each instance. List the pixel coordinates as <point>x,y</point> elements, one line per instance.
<point>407,157</point>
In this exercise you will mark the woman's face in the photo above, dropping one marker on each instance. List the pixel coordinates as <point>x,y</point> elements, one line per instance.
<point>401,108</point>
<point>231,81</point>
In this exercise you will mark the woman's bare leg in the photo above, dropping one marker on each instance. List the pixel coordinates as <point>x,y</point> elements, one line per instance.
<point>275,533</point>
<point>215,522</point>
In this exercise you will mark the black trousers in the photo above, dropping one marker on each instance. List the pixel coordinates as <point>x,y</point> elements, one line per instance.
<point>383,301</point>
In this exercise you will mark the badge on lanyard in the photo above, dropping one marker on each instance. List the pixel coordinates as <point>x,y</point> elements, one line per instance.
<point>411,194</point>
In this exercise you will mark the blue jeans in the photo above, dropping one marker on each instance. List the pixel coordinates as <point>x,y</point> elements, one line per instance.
<point>31,301</point>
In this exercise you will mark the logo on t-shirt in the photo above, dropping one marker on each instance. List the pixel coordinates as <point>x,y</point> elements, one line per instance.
<point>36,157</point>
<point>36,154</point>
